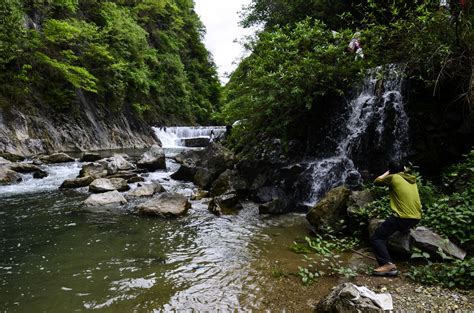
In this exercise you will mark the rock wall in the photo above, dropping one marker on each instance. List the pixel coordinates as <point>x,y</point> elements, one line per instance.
<point>33,131</point>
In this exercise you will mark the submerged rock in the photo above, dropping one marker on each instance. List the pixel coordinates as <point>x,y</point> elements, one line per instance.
<point>348,297</point>
<point>330,210</point>
<point>77,182</point>
<point>107,199</point>
<point>104,185</point>
<point>168,204</point>
<point>225,204</point>
<point>154,159</point>
<point>56,158</point>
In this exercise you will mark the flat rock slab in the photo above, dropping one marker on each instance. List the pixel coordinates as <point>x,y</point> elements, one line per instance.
<point>154,159</point>
<point>107,199</point>
<point>77,182</point>
<point>56,158</point>
<point>426,239</point>
<point>104,185</point>
<point>168,204</point>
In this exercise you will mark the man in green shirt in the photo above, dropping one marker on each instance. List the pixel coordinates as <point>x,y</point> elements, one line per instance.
<point>406,205</point>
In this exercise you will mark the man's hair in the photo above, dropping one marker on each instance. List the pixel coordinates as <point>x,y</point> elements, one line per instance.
<point>395,166</point>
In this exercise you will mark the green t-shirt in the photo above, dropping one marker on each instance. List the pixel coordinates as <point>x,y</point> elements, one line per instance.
<point>404,197</point>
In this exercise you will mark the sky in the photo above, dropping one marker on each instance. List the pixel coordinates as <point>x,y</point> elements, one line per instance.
<point>221,18</point>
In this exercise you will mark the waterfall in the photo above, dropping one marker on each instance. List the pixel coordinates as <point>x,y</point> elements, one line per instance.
<point>173,137</point>
<point>375,127</point>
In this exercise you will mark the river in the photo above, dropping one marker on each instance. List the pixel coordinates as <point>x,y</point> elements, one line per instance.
<point>57,257</point>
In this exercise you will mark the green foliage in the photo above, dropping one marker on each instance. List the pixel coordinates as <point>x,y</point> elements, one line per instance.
<point>139,56</point>
<point>452,214</point>
<point>326,247</point>
<point>291,70</point>
<point>458,273</point>
<point>299,61</point>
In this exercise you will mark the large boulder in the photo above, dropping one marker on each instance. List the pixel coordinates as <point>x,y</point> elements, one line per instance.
<point>107,199</point>
<point>348,297</point>
<point>56,158</point>
<point>168,204</point>
<point>7,176</point>
<point>420,237</point>
<point>4,161</point>
<point>154,159</point>
<point>120,163</point>
<point>100,185</point>
<point>225,204</point>
<point>275,206</point>
<point>90,157</point>
<point>12,157</point>
<point>227,181</point>
<point>146,190</point>
<point>427,240</point>
<point>28,168</point>
<point>331,210</point>
<point>195,142</point>
<point>96,169</point>
<point>129,176</point>
<point>76,182</point>
<point>204,166</point>
<point>186,171</point>
<point>274,200</point>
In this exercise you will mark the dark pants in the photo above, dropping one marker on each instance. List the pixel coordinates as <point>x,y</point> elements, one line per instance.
<point>385,230</point>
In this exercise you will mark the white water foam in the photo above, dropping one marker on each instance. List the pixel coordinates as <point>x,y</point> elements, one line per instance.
<point>171,137</point>
<point>368,107</point>
<point>57,174</point>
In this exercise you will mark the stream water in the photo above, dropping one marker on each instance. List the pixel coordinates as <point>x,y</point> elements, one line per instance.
<point>57,257</point>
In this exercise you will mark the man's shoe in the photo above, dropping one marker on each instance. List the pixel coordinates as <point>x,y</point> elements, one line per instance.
<point>388,269</point>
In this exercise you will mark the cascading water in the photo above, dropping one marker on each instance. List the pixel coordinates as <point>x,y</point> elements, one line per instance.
<point>172,137</point>
<point>376,126</point>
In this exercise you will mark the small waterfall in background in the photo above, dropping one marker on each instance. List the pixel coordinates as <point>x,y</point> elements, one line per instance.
<point>174,137</point>
<point>376,127</point>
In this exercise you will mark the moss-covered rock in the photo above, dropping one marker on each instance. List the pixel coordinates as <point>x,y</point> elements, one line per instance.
<point>331,210</point>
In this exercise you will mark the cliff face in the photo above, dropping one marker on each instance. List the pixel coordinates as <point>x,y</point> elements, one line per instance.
<point>33,131</point>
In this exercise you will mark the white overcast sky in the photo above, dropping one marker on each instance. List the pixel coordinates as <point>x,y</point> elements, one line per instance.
<point>221,18</point>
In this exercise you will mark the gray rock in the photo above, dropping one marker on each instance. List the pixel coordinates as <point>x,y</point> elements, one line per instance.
<point>154,159</point>
<point>121,163</point>
<point>399,243</point>
<point>7,176</point>
<point>167,204</point>
<point>56,158</point>
<point>28,168</point>
<point>427,240</point>
<point>186,171</point>
<point>195,142</point>
<point>12,157</point>
<point>77,182</point>
<point>90,157</point>
<point>146,190</point>
<point>347,298</point>
<point>228,181</point>
<point>225,204</point>
<point>275,206</point>
<point>330,210</point>
<point>4,161</point>
<point>100,185</point>
<point>96,170</point>
<point>107,199</point>
<point>422,238</point>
